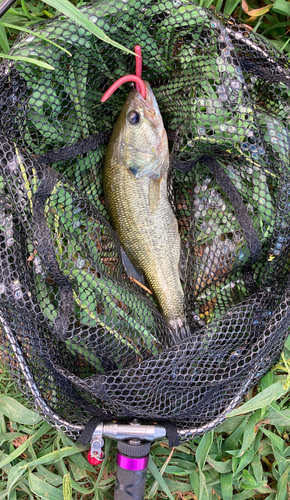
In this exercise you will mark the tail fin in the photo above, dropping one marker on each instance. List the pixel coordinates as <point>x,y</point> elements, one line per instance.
<point>180,329</point>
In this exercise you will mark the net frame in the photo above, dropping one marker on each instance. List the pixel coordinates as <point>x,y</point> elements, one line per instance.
<point>272,327</point>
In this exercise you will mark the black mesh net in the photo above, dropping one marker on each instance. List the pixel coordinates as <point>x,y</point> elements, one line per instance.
<point>80,335</point>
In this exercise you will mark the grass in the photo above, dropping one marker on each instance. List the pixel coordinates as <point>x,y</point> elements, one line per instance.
<point>247,457</point>
<point>267,17</point>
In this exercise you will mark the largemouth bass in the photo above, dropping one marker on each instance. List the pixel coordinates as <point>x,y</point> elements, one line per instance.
<point>135,187</point>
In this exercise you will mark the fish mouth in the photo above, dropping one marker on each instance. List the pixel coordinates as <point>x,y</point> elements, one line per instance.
<point>149,106</point>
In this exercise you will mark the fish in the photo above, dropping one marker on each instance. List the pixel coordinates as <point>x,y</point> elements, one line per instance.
<point>135,187</point>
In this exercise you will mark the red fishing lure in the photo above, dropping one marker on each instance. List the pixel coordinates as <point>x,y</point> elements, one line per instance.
<point>137,78</point>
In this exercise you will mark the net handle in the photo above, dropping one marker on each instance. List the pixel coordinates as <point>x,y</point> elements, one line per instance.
<point>5,5</point>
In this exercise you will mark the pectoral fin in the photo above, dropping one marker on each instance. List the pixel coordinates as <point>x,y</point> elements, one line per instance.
<point>154,193</point>
<point>139,171</point>
<point>145,167</point>
<point>138,163</point>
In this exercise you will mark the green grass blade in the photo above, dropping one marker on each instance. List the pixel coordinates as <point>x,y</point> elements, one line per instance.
<point>83,490</point>
<point>179,487</point>
<point>231,442</point>
<point>277,417</point>
<point>54,456</point>
<point>154,488</point>
<point>285,45</point>
<point>250,431</point>
<point>74,14</point>
<point>34,33</point>
<point>17,412</point>
<point>275,440</point>
<point>219,5</point>
<point>203,449</point>
<point>227,486</point>
<point>222,467</point>
<point>257,468</point>
<point>15,476</point>
<point>282,7</point>
<point>106,452</point>
<point>243,462</point>
<point>274,26</point>
<point>30,60</point>
<point>4,494</point>
<point>230,6</point>
<point>262,399</point>
<point>25,10</point>
<point>49,476</point>
<point>282,485</point>
<point>44,489</point>
<point>3,40</point>
<point>208,3</point>
<point>43,429</point>
<point>155,472</point>
<point>198,483</point>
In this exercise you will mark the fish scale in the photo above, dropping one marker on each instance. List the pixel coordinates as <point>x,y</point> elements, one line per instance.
<point>139,208</point>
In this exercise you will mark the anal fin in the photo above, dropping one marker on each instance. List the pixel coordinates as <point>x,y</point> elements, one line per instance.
<point>182,260</point>
<point>131,269</point>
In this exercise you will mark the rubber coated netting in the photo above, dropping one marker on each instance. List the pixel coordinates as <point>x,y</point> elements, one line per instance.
<point>83,339</point>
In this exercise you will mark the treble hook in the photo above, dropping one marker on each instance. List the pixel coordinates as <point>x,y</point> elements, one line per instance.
<point>137,78</point>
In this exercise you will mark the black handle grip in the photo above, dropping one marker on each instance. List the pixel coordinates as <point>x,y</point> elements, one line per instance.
<point>129,484</point>
<point>132,460</point>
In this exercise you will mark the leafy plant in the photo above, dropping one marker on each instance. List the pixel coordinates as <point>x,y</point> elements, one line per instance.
<point>63,6</point>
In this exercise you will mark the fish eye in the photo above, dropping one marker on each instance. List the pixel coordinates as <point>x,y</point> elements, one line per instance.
<point>133,117</point>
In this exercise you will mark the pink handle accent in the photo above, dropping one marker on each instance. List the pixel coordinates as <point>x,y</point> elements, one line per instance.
<point>120,81</point>
<point>138,65</point>
<point>132,463</point>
